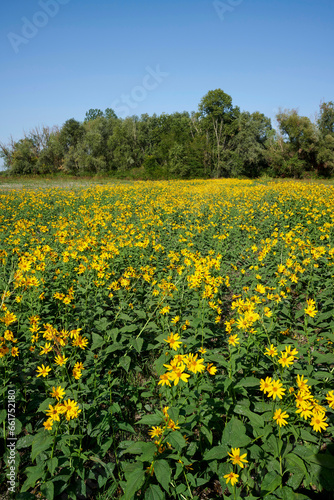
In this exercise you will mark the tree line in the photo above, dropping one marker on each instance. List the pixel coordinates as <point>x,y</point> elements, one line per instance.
<point>219,140</point>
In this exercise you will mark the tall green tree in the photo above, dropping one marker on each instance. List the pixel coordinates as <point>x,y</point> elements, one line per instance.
<point>249,144</point>
<point>92,114</point>
<point>325,153</point>
<point>218,119</point>
<point>302,138</point>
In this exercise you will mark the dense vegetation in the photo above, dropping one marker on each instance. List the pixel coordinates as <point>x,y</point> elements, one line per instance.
<point>167,340</point>
<point>219,140</point>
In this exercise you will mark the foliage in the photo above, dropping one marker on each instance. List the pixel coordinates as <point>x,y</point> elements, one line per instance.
<point>169,340</point>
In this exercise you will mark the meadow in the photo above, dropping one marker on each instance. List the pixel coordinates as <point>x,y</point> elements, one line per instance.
<point>167,340</point>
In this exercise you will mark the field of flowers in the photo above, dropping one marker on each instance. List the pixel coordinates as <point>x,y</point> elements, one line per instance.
<point>167,340</point>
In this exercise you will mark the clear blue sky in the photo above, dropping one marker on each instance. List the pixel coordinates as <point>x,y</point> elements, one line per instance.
<point>89,54</point>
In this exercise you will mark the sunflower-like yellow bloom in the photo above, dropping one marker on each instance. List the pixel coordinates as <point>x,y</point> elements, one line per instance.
<point>173,341</point>
<point>276,390</point>
<point>43,371</point>
<point>238,459</point>
<point>280,417</point>
<point>231,477</point>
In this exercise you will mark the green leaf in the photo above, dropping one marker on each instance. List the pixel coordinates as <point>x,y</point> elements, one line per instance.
<point>256,420</point>
<point>40,443</point>
<point>207,433</point>
<point>137,344</point>
<point>106,446</point>
<point>248,382</point>
<point>3,415</point>
<point>125,363</point>
<point>134,481</point>
<point>176,439</point>
<point>216,453</point>
<point>163,473</point>
<point>173,413</point>
<point>52,464</point>
<point>295,480</point>
<point>296,467</point>
<point>324,358</point>
<point>129,328</point>
<point>154,492</point>
<point>138,447</point>
<point>324,459</point>
<point>101,325</point>
<point>48,490</point>
<point>45,405</point>
<point>116,346</point>
<point>18,426</point>
<point>270,482</point>
<point>294,461</point>
<point>235,434</point>
<point>25,441</point>
<point>307,436</point>
<point>33,474</point>
<point>153,419</point>
<point>98,341</point>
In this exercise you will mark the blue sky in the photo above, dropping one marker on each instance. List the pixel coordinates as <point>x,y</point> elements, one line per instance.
<point>61,57</point>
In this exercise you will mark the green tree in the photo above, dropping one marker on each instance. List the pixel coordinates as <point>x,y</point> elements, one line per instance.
<point>301,136</point>
<point>218,119</point>
<point>24,157</point>
<point>92,114</point>
<point>249,144</point>
<point>325,153</point>
<point>70,134</point>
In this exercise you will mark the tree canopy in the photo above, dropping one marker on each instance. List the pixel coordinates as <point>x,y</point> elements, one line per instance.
<point>216,140</point>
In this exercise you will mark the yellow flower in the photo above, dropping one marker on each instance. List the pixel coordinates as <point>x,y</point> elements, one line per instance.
<point>79,365</point>
<point>305,409</point>
<point>236,458</point>
<point>231,477</point>
<point>285,359</point>
<point>272,351</point>
<point>310,309</point>
<point>178,374</point>
<point>15,351</point>
<point>194,365</point>
<point>330,398</point>
<point>294,351</point>
<point>280,417</point>
<point>173,341</point>
<point>60,360</point>
<point>233,340</point>
<point>172,425</point>
<point>43,371</point>
<point>76,373</point>
<point>265,385</point>
<point>155,432</point>
<point>48,424</point>
<point>302,383</point>
<point>8,335</point>
<point>80,341</point>
<point>164,379</point>
<point>53,413</point>
<point>71,408</point>
<point>57,393</point>
<point>318,421</point>
<point>211,369</point>
<point>276,390</point>
<point>164,310</point>
<point>47,348</point>
<point>8,318</point>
